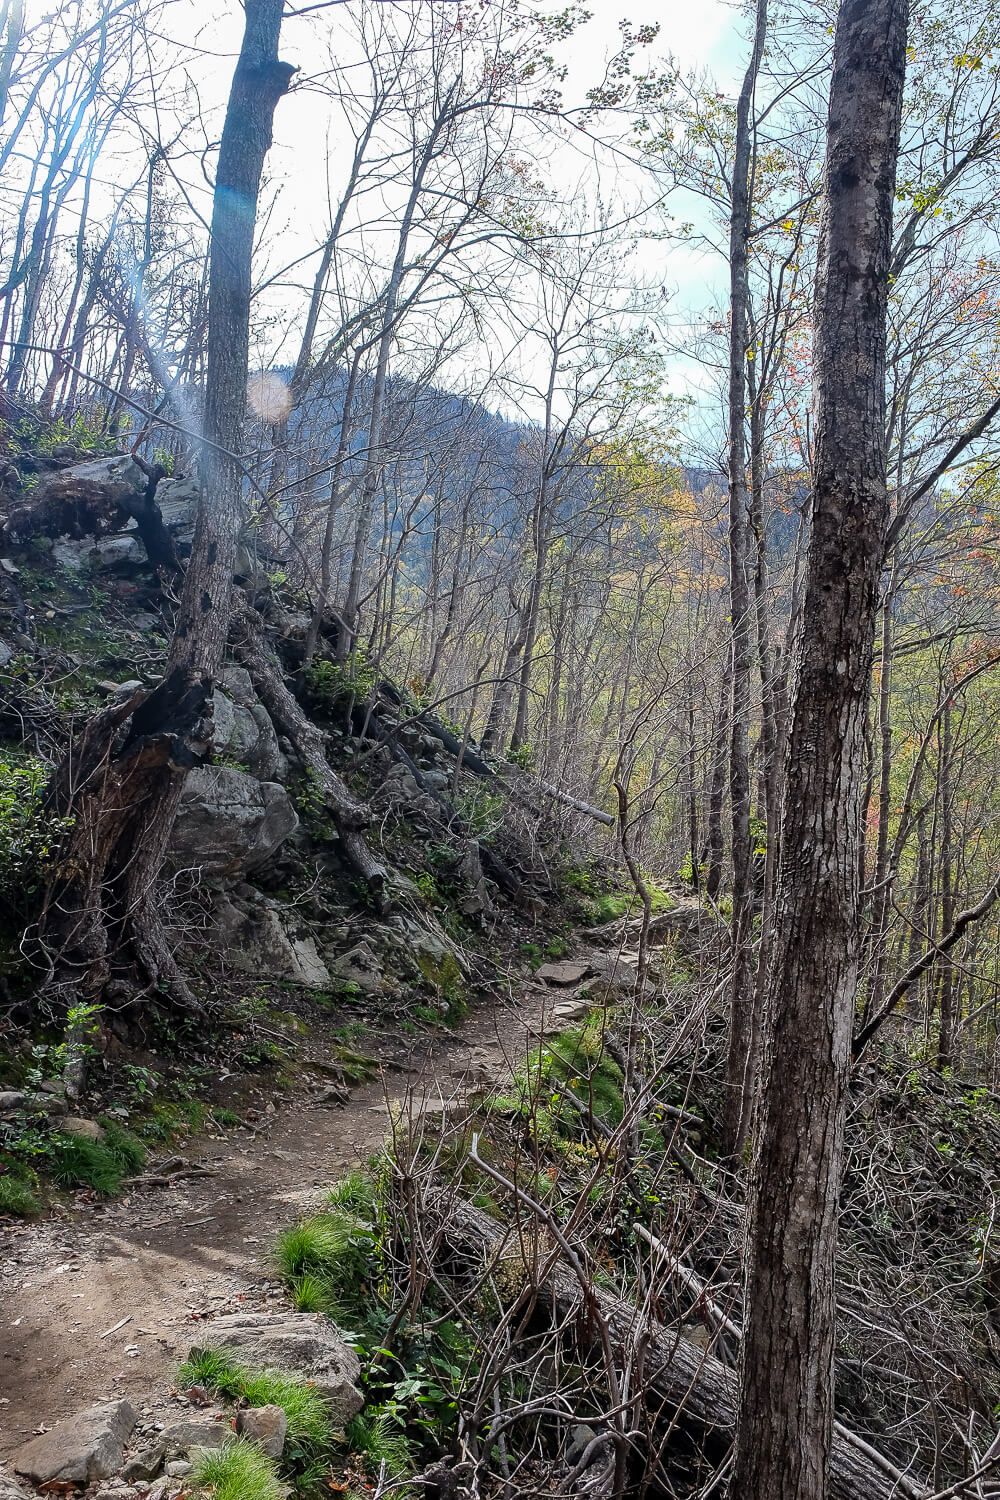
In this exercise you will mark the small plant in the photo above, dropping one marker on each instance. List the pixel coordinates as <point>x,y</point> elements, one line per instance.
<point>522,756</point>
<point>329,683</point>
<point>239,1470</point>
<point>16,1197</point>
<point>164,459</point>
<point>77,1162</point>
<point>327,1260</point>
<point>379,1436</point>
<point>29,836</point>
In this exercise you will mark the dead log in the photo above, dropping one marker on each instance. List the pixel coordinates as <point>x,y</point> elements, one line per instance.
<point>679,1379</point>
<point>252,648</point>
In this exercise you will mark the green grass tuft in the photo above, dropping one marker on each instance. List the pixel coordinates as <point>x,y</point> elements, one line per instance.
<point>355,1194</point>
<point>17,1198</point>
<point>77,1162</point>
<point>308,1413</point>
<point>238,1471</point>
<point>127,1149</point>
<point>334,1250</point>
<point>311,1294</point>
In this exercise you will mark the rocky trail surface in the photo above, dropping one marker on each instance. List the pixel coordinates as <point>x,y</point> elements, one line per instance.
<point>104,1302</point>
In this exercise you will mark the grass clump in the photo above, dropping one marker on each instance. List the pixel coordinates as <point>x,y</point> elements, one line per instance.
<point>326,1261</point>
<point>79,1163</point>
<point>127,1149</point>
<point>17,1198</point>
<point>309,1427</point>
<point>238,1471</point>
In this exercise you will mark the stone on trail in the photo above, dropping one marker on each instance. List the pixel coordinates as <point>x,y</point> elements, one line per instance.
<point>89,1446</point>
<point>303,1344</point>
<point>10,1489</point>
<point>264,1425</point>
<point>194,1432</point>
<point>567,972</point>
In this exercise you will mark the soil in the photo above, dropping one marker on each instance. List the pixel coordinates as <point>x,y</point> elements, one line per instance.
<point>105,1301</point>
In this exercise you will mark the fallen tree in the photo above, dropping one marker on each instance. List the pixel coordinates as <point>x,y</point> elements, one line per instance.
<point>676,1379</point>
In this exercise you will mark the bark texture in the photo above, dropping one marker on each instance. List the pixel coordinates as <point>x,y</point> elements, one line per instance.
<point>785,1428</point>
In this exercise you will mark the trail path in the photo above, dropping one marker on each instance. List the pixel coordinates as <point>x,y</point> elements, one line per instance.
<point>168,1257</point>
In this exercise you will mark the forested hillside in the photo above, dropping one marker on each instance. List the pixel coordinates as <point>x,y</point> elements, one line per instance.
<point>499,676</point>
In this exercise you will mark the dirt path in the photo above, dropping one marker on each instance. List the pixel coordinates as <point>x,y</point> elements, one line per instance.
<point>168,1257</point>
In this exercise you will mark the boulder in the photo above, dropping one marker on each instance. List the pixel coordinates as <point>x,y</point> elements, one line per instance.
<point>85,1130</point>
<point>194,1432</point>
<point>229,822</point>
<point>178,503</point>
<point>252,932</point>
<point>243,731</point>
<point>86,1447</point>
<point>11,1100</point>
<point>360,966</point>
<point>118,473</point>
<point>567,972</point>
<point>305,1343</point>
<point>264,1425</point>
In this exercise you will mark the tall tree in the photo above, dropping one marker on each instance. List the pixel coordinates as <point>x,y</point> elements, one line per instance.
<point>786,1398</point>
<point>742,1047</point>
<point>123,781</point>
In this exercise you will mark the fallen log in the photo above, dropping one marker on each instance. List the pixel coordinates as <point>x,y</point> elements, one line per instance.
<point>681,1380</point>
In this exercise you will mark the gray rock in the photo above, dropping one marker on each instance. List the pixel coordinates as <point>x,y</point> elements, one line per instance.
<point>244,732</point>
<point>229,822</point>
<point>69,554</point>
<point>305,1343</point>
<point>86,1447</point>
<point>121,548</point>
<point>118,473</point>
<point>145,1464</point>
<point>86,1130</point>
<point>360,966</point>
<point>177,1468</point>
<point>564,973</point>
<point>178,502</point>
<point>11,1490</point>
<point>437,781</point>
<point>12,1100</point>
<point>264,1425</point>
<point>253,933</point>
<point>194,1432</point>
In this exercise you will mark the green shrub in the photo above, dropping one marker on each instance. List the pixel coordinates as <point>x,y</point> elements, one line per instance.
<point>29,837</point>
<point>378,1435</point>
<point>16,1197</point>
<point>331,682</point>
<point>354,1193</point>
<point>128,1151</point>
<point>237,1471</point>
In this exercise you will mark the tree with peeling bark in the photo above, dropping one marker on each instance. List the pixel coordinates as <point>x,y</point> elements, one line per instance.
<point>785,1425</point>
<point>122,781</point>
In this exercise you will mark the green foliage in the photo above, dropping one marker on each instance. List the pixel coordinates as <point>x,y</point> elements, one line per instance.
<point>165,459</point>
<point>309,1426</point>
<point>379,1434</point>
<point>329,683</point>
<point>88,433</point>
<point>16,1197</point>
<point>523,756</point>
<point>29,836</point>
<point>239,1470</point>
<point>327,1261</point>
<point>75,1162</point>
<point>127,1149</point>
<point>442,973</point>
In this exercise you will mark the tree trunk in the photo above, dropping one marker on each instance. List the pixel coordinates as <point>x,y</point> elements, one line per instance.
<point>785,1426</point>
<point>740,1066</point>
<point>123,782</point>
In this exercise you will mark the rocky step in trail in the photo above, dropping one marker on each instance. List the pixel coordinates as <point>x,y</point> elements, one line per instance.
<point>104,1303</point>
